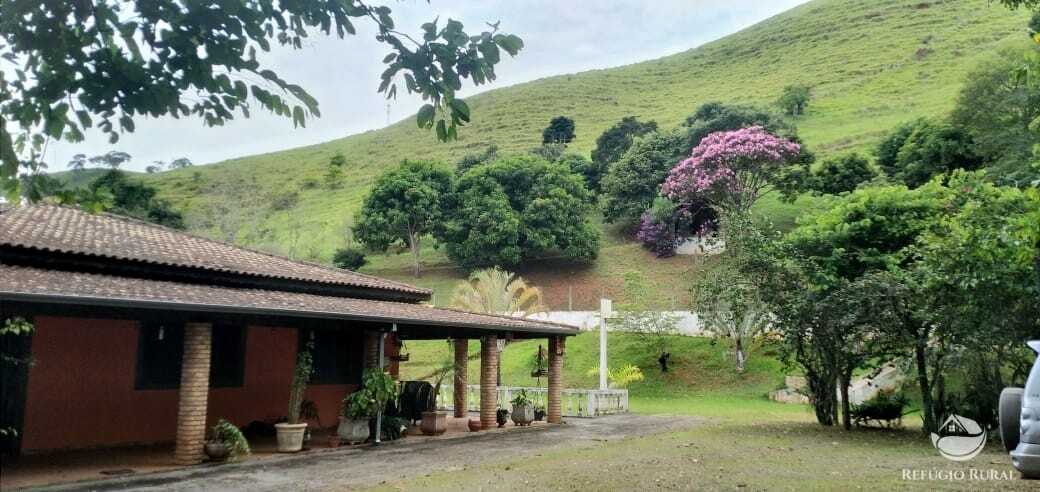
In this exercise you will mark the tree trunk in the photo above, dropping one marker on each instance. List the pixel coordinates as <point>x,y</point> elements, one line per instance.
<point>922,380</point>
<point>741,359</point>
<point>844,379</point>
<point>413,244</point>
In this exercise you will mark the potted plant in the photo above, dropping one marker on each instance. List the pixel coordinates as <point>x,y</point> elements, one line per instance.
<point>435,421</point>
<point>502,416</point>
<point>377,389</point>
<point>523,408</point>
<point>290,434</point>
<point>353,427</point>
<point>226,442</point>
<point>539,412</point>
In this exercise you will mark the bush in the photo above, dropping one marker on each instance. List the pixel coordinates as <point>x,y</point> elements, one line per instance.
<point>349,258</point>
<point>836,176</point>
<point>883,409</point>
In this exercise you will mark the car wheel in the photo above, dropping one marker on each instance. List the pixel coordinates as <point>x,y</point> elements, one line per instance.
<point>1010,412</point>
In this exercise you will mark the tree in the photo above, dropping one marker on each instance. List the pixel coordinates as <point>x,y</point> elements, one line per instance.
<point>334,172</point>
<point>997,111</point>
<point>473,160</point>
<point>731,170</point>
<point>727,295</point>
<point>657,228</point>
<point>794,99</point>
<point>180,163</point>
<point>942,268</point>
<point>111,159</point>
<point>648,318</point>
<point>886,153</point>
<point>613,144</point>
<point>631,184</point>
<point>915,152</point>
<point>836,176</point>
<point>404,204</point>
<point>560,130</point>
<point>135,199</point>
<point>718,117</point>
<point>152,169</point>
<point>78,162</point>
<point>103,62</point>
<point>495,291</point>
<point>517,208</point>
<point>582,166</point>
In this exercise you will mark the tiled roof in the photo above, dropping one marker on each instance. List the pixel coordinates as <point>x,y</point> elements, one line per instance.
<point>70,230</point>
<point>34,284</point>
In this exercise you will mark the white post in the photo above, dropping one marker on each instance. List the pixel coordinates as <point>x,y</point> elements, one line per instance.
<point>379,413</point>
<point>604,311</point>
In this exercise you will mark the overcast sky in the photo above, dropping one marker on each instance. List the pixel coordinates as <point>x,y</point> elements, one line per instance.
<point>560,37</point>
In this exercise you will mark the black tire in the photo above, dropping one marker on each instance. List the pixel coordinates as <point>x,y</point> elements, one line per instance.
<point>1010,414</point>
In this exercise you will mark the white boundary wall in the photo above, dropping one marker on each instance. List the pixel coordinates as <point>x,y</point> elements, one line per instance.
<point>689,324</point>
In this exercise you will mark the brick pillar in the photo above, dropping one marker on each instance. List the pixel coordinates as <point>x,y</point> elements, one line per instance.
<point>194,393</point>
<point>555,410</point>
<point>371,349</point>
<point>488,381</point>
<point>459,383</point>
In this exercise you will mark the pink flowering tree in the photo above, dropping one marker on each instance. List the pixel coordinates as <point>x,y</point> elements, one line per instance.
<point>731,169</point>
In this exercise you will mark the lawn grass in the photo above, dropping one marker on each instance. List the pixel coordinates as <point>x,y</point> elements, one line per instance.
<point>735,455</point>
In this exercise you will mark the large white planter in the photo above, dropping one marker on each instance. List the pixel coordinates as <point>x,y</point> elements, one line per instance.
<point>522,414</point>
<point>352,431</point>
<point>290,437</point>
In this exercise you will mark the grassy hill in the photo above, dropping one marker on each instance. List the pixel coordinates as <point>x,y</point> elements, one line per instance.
<point>871,63</point>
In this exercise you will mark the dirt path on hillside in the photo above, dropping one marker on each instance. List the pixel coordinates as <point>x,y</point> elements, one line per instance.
<point>389,462</point>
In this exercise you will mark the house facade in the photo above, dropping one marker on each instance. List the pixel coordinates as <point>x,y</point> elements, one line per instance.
<point>143,333</point>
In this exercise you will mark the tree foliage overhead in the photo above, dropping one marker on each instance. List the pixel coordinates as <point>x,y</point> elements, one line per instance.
<point>631,184</point>
<point>516,208</point>
<point>103,63</point>
<point>405,203</point>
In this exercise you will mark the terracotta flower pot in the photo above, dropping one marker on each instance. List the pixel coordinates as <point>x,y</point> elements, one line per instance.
<point>333,442</point>
<point>434,423</point>
<point>474,425</point>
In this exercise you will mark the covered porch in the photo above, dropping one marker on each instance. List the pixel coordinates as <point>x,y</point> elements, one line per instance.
<point>89,465</point>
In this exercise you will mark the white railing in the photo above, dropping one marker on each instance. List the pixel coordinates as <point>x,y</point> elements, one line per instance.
<point>576,402</point>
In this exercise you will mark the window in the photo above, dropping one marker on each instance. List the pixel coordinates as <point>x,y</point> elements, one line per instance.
<point>337,356</point>
<point>228,356</point>
<point>160,354</point>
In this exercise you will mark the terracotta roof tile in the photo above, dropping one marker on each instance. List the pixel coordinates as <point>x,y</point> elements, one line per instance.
<point>24,283</point>
<point>70,230</point>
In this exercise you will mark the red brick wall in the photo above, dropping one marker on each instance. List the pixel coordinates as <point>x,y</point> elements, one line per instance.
<point>81,391</point>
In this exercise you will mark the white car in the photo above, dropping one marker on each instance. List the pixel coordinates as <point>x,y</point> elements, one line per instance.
<point>1020,421</point>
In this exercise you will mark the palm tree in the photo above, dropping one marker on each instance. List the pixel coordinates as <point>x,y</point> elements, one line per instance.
<point>496,291</point>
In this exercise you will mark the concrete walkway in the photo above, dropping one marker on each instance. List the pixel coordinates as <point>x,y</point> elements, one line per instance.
<point>357,467</point>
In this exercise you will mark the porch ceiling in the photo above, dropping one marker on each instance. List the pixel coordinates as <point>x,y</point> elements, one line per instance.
<point>415,321</point>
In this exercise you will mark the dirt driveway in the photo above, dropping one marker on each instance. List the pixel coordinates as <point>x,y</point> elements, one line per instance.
<point>375,465</point>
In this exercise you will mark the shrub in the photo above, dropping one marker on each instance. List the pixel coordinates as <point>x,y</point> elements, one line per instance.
<point>887,408</point>
<point>349,258</point>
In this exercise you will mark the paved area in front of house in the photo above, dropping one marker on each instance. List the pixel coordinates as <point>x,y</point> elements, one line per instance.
<point>373,465</point>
